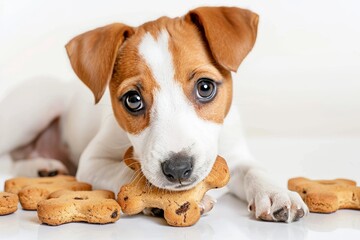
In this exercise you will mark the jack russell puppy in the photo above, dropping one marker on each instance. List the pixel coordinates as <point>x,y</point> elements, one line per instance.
<point>165,89</point>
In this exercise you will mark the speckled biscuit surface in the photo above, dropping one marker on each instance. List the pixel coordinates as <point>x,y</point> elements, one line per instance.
<point>181,208</point>
<point>327,196</point>
<point>8,203</point>
<point>66,206</point>
<point>14,185</point>
<point>33,190</point>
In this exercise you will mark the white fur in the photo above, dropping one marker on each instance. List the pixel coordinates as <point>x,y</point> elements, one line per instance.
<point>94,133</point>
<point>24,112</point>
<point>174,125</point>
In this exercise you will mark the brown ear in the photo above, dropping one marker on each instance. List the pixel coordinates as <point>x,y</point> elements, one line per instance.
<point>229,31</point>
<point>93,53</point>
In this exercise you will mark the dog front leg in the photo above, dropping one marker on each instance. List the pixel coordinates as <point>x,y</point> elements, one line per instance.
<point>101,162</point>
<point>105,174</point>
<point>251,183</point>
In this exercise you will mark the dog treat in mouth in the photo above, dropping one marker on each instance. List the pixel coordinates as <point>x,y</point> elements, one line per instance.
<point>33,190</point>
<point>327,196</point>
<point>66,206</point>
<point>8,203</point>
<point>181,208</point>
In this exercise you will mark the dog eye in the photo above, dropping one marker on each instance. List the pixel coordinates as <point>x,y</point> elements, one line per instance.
<point>132,101</point>
<point>205,89</point>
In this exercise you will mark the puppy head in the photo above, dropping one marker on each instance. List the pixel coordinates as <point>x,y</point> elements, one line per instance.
<point>170,85</point>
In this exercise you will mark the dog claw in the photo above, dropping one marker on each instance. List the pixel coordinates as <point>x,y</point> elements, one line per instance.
<point>299,214</point>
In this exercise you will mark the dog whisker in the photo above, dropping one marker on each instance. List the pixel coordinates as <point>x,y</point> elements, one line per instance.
<point>135,175</point>
<point>139,180</point>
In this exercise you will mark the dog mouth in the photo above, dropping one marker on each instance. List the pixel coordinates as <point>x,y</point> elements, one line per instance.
<point>183,185</point>
<point>180,186</point>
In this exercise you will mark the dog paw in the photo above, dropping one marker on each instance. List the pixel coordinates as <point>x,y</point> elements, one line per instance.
<point>278,205</point>
<point>155,212</point>
<point>53,173</point>
<point>39,167</point>
<point>207,204</point>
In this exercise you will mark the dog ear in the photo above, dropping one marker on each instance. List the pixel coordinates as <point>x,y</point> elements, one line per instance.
<point>229,31</point>
<point>93,53</point>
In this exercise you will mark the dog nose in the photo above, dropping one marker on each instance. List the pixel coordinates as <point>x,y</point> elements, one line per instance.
<point>177,169</point>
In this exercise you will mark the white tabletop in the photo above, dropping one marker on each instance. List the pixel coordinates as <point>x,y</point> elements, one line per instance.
<point>230,218</point>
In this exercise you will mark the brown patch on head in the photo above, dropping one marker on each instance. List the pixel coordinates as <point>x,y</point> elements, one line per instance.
<point>209,42</point>
<point>131,73</point>
<point>192,61</point>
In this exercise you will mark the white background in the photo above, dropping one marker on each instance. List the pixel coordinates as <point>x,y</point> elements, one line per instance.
<point>299,92</point>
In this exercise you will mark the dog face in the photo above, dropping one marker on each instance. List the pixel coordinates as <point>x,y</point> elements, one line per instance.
<point>171,98</point>
<point>170,85</point>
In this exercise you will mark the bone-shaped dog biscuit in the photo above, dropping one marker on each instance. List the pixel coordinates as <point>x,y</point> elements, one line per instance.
<point>181,208</point>
<point>327,196</point>
<point>66,206</point>
<point>8,203</point>
<point>33,190</point>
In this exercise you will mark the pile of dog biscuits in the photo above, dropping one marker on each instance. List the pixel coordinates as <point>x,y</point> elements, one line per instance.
<point>59,199</point>
<point>62,199</point>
